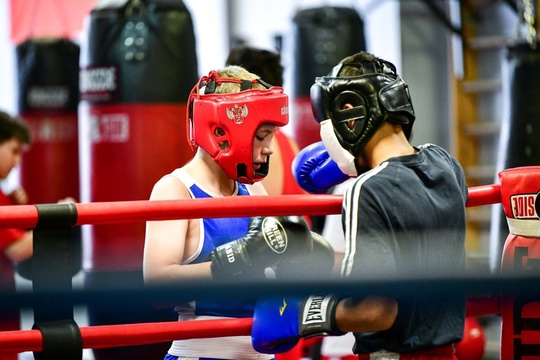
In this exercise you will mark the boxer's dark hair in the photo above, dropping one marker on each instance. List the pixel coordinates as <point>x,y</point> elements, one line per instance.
<point>265,63</point>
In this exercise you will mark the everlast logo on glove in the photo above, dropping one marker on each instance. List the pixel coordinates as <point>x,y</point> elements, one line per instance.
<point>315,310</point>
<point>275,235</point>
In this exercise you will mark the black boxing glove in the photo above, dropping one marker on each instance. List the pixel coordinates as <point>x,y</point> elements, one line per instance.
<point>270,240</point>
<point>319,263</point>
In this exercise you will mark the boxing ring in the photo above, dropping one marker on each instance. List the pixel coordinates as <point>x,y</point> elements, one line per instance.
<point>56,331</point>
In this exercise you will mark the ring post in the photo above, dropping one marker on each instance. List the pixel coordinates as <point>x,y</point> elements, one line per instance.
<point>61,340</point>
<point>52,260</point>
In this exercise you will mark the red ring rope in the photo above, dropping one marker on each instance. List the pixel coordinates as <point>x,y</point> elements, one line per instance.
<point>26,216</point>
<point>105,336</point>
<point>129,211</point>
<point>484,195</point>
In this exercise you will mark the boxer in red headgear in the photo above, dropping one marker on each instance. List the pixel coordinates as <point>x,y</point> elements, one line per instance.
<point>232,117</point>
<point>226,125</point>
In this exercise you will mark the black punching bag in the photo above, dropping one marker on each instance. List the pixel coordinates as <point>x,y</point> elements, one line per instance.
<point>138,65</point>
<point>321,38</point>
<point>48,94</point>
<point>48,78</point>
<point>520,129</point>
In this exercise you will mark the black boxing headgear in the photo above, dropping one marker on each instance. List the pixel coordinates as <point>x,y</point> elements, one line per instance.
<point>374,96</point>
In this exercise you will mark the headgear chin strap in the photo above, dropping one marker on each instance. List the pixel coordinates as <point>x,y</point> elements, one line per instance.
<point>224,125</point>
<point>377,95</point>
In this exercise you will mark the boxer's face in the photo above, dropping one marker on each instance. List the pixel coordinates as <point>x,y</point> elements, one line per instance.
<point>262,144</point>
<point>10,156</point>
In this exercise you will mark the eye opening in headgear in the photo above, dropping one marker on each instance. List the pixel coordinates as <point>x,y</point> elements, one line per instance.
<point>356,101</point>
<point>349,114</point>
<point>219,134</point>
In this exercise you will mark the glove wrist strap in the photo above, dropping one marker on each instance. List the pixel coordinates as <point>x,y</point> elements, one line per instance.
<point>317,316</point>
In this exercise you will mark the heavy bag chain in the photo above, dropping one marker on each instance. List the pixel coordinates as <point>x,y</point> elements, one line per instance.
<point>526,25</point>
<point>135,34</point>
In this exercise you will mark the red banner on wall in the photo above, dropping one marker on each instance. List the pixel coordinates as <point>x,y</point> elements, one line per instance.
<point>47,18</point>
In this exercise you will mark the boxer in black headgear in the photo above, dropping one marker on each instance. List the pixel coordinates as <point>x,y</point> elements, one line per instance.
<point>402,215</point>
<point>354,100</point>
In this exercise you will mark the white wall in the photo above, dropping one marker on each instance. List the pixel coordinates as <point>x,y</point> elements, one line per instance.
<point>211,33</point>
<point>8,81</point>
<point>8,96</point>
<point>426,68</point>
<point>258,22</point>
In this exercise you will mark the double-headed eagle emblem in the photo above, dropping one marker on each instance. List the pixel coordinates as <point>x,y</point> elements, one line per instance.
<point>237,113</point>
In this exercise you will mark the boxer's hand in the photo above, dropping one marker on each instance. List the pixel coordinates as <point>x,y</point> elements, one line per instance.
<point>315,171</point>
<point>279,322</point>
<point>269,241</point>
<point>318,264</point>
<point>19,196</point>
<point>66,200</point>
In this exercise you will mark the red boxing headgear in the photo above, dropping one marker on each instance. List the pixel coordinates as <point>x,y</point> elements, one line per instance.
<point>234,118</point>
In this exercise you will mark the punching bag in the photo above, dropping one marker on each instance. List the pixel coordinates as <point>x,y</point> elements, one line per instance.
<point>138,65</point>
<point>48,79</point>
<point>520,311</point>
<point>520,128</point>
<point>48,94</point>
<point>321,38</point>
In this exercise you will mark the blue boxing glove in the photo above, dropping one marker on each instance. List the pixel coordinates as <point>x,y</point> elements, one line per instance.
<point>315,171</point>
<point>279,322</point>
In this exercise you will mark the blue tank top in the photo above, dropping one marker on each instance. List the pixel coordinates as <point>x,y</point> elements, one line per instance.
<point>216,232</point>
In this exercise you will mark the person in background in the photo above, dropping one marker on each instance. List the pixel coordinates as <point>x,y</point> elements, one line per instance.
<point>16,244</point>
<point>14,138</point>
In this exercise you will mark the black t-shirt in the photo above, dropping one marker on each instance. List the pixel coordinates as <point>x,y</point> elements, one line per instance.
<point>407,218</point>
